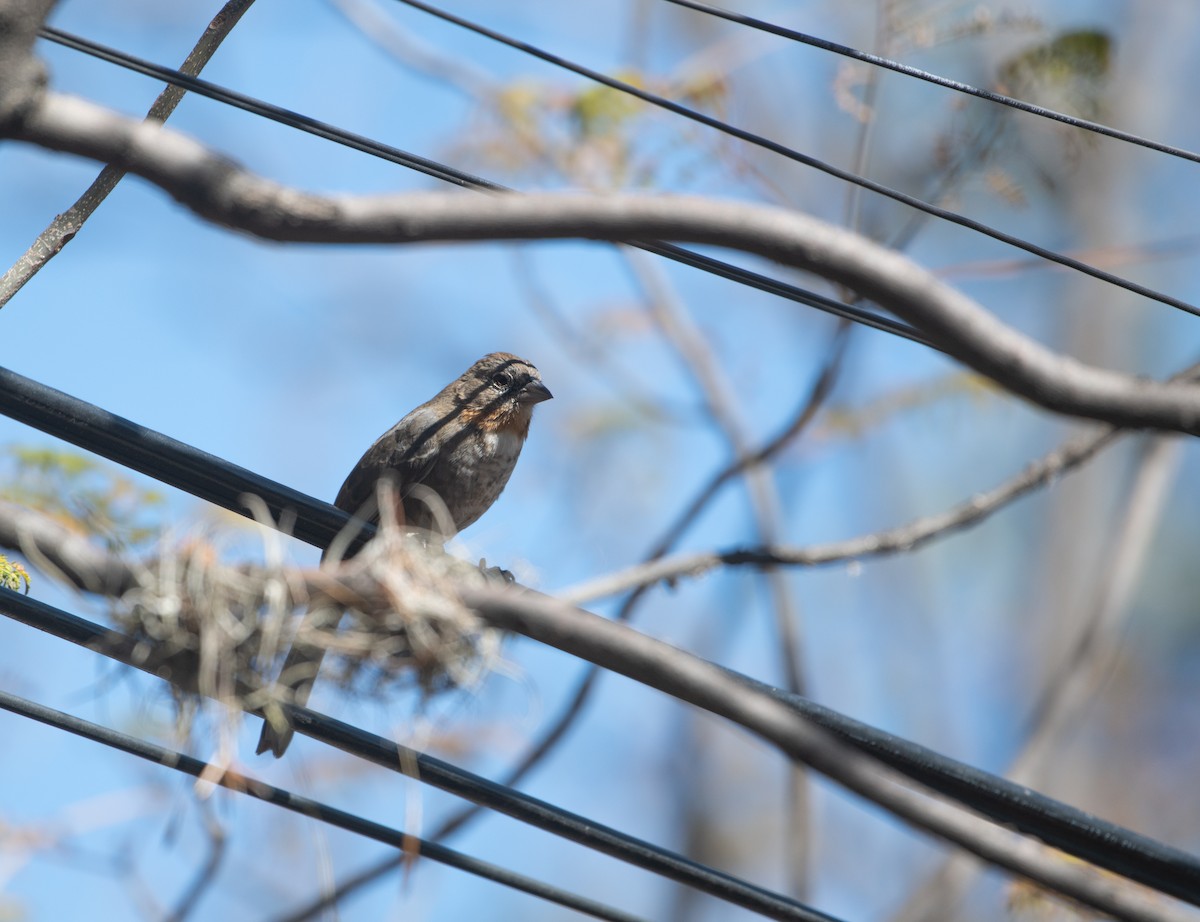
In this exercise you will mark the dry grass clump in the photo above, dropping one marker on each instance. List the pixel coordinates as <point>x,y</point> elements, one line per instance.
<point>222,631</point>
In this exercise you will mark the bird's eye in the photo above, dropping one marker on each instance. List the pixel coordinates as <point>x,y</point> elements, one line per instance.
<point>502,379</point>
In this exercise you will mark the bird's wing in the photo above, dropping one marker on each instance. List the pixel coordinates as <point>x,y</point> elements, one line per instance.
<point>407,452</point>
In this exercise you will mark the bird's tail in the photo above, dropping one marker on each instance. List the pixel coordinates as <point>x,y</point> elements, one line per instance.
<point>277,740</point>
<point>296,679</point>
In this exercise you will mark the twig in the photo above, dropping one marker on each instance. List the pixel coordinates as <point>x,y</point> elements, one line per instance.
<point>224,193</point>
<point>723,406</point>
<point>217,850</point>
<point>65,226</point>
<point>400,44</point>
<point>1078,678</point>
<point>584,351</point>
<point>722,403</point>
<point>904,538</point>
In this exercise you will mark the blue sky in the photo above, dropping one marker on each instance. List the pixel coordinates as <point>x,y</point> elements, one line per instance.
<point>290,360</point>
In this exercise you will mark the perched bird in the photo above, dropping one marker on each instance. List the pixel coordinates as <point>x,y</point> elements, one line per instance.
<point>462,445</point>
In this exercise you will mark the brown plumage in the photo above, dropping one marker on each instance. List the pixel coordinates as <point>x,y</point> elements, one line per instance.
<point>462,445</point>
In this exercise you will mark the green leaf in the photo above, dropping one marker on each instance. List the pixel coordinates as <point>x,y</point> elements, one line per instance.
<point>82,492</point>
<point>1067,72</point>
<point>13,576</point>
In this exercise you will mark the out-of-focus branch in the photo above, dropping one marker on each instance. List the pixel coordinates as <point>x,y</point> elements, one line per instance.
<point>400,44</point>
<point>556,732</point>
<point>22,76</point>
<point>217,852</point>
<point>1079,677</point>
<point>219,190</point>
<point>724,406</point>
<point>902,539</point>
<point>54,548</point>
<point>813,400</point>
<point>1092,657</point>
<point>1068,456</point>
<point>652,662</point>
<point>65,226</point>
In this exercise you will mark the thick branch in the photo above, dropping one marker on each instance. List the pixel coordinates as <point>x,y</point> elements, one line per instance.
<point>652,662</point>
<point>217,189</point>
<point>688,678</point>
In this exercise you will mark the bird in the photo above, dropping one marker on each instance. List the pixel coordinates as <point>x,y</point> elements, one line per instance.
<point>462,445</point>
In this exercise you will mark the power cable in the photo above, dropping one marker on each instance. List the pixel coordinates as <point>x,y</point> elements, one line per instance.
<point>466,180</point>
<point>784,151</point>
<point>1074,831</point>
<point>444,776</point>
<point>165,459</point>
<point>946,82</point>
<point>1059,825</point>
<point>207,476</point>
<point>279,797</point>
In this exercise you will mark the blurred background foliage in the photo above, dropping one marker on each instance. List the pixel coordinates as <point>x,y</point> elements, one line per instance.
<point>291,360</point>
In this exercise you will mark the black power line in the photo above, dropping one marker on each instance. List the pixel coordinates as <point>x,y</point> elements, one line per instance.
<point>447,777</point>
<point>946,82</point>
<point>1074,831</point>
<point>162,457</point>
<point>305,806</point>
<point>462,178</point>
<point>784,151</point>
<point>212,478</point>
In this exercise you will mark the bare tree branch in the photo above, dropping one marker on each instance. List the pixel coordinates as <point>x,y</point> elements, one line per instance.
<point>217,189</point>
<point>904,538</point>
<point>724,406</point>
<point>65,226</point>
<point>556,732</point>
<point>617,647</point>
<point>221,191</point>
<point>1077,680</point>
<point>22,76</point>
<point>56,549</point>
<point>405,47</point>
<point>652,662</point>
<point>217,852</point>
<point>807,410</point>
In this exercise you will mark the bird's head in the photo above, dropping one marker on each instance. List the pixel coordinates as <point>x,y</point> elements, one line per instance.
<point>500,392</point>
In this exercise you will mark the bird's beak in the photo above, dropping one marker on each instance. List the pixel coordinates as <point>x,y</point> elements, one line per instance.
<point>534,392</point>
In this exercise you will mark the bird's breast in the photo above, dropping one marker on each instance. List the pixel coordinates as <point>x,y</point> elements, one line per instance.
<point>481,468</point>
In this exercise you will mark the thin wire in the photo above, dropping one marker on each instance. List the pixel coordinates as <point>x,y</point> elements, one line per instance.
<point>872,737</point>
<point>466,180</point>
<point>1060,825</point>
<point>937,80</point>
<point>165,459</point>
<point>234,781</point>
<point>447,777</point>
<point>845,175</point>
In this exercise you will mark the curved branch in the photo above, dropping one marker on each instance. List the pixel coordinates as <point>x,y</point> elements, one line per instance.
<point>654,663</point>
<point>219,190</point>
<point>657,664</point>
<point>903,538</point>
<point>54,548</point>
